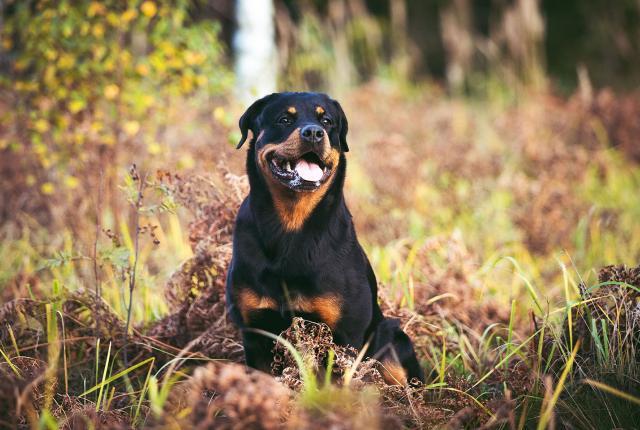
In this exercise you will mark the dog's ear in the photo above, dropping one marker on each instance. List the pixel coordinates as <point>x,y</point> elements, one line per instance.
<point>248,119</point>
<point>343,127</point>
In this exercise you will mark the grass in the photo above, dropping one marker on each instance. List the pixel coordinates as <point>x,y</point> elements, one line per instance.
<point>498,290</point>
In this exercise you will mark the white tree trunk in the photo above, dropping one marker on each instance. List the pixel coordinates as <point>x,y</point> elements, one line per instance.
<point>255,49</point>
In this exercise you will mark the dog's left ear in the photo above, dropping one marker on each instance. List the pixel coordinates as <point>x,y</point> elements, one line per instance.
<point>248,119</point>
<point>343,127</point>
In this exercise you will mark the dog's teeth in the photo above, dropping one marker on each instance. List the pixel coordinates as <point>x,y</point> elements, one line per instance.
<point>287,166</point>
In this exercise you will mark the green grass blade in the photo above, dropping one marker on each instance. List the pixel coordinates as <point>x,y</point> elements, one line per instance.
<point>117,376</point>
<point>329,371</point>
<point>546,415</point>
<point>10,363</point>
<point>506,357</point>
<point>532,292</point>
<point>307,377</point>
<point>142,395</point>
<point>104,377</point>
<point>611,390</point>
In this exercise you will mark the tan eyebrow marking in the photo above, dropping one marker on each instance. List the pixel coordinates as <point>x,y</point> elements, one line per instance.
<point>292,110</point>
<point>319,110</point>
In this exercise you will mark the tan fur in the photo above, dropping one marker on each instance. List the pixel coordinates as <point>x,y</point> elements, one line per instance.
<point>393,373</point>
<point>328,307</point>
<point>295,207</point>
<point>319,110</point>
<point>249,301</point>
<point>292,110</point>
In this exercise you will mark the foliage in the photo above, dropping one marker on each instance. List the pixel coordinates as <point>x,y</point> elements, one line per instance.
<point>485,222</point>
<point>93,79</point>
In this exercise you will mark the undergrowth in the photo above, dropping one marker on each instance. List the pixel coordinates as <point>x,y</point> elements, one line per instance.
<point>496,256</point>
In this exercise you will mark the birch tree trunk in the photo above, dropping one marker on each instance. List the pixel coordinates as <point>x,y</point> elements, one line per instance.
<point>255,49</point>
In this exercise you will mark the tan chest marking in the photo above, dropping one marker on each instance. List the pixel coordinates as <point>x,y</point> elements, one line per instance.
<point>249,301</point>
<point>328,307</point>
<point>293,212</point>
<point>294,208</point>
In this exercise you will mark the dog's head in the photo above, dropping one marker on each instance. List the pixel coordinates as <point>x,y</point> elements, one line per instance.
<point>297,139</point>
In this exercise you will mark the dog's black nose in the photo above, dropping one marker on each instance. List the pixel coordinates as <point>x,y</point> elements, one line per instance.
<point>312,133</point>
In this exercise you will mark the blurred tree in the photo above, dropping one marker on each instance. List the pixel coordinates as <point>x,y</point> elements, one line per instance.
<point>91,81</point>
<point>255,49</point>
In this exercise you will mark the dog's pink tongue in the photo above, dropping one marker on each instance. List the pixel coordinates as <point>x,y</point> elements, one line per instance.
<point>309,171</point>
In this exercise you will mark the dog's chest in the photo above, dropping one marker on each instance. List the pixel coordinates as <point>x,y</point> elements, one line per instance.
<point>256,309</point>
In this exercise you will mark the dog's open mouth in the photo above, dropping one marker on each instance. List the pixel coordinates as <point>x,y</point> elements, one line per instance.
<point>306,173</point>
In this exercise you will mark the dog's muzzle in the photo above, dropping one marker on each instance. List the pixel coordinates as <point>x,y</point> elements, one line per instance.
<point>306,173</point>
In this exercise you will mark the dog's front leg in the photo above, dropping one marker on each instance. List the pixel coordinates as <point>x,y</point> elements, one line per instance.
<point>257,350</point>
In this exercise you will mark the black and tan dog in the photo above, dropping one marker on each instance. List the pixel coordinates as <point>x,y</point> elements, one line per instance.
<point>295,251</point>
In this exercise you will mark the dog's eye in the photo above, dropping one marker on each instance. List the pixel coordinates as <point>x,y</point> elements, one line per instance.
<point>285,120</point>
<point>326,121</point>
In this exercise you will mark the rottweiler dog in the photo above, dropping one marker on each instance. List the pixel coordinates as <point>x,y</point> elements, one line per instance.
<point>295,251</point>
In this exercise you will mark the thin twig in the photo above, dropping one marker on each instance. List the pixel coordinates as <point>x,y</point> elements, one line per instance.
<point>96,274</point>
<point>132,273</point>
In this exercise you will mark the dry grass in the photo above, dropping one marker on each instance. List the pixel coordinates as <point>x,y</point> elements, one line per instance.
<point>478,184</point>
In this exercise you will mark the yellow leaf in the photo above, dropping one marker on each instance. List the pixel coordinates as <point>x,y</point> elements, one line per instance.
<point>96,126</point>
<point>96,8</point>
<point>192,58</point>
<point>186,83</point>
<point>148,8</point>
<point>186,162</point>
<point>108,139</point>
<point>71,182</point>
<point>39,148</point>
<point>167,48</point>
<point>61,92</point>
<point>201,80</point>
<point>147,100</point>
<point>78,138</point>
<point>113,19</point>
<point>50,76</point>
<point>98,52</point>
<point>41,125</point>
<point>66,62</point>
<point>154,148</point>
<point>131,127</point>
<point>111,91</point>
<point>142,69</point>
<point>76,106</point>
<point>50,54</point>
<point>98,30</point>
<point>125,58</point>
<point>47,188</point>
<point>129,15</point>
<point>218,113</point>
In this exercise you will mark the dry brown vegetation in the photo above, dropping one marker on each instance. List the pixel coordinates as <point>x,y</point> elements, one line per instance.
<point>453,202</point>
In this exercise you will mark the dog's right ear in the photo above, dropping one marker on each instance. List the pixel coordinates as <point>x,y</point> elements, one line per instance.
<point>248,119</point>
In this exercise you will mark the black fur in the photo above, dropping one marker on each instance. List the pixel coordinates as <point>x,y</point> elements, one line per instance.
<point>320,258</point>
